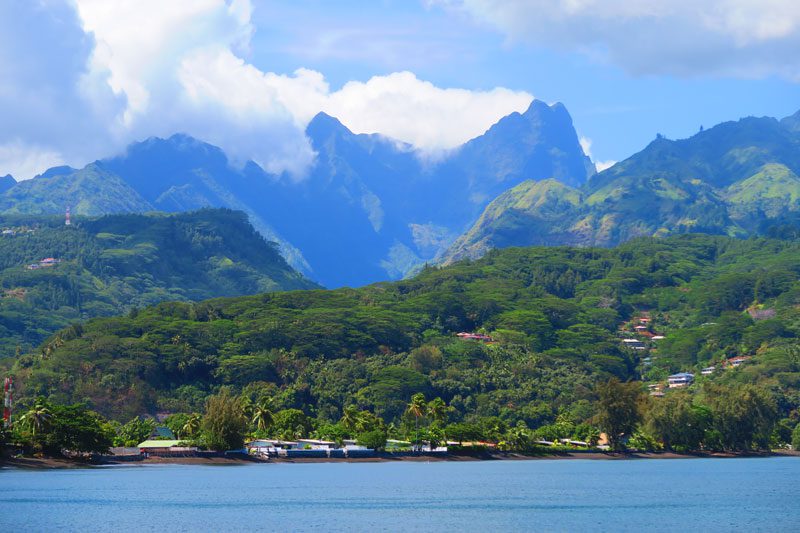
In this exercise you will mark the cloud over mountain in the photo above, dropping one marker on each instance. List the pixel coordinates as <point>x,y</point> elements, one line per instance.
<point>109,73</point>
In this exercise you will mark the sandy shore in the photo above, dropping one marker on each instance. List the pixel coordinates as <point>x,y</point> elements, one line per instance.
<point>57,463</point>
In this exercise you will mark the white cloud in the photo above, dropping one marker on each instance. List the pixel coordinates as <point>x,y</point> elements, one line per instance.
<point>136,68</point>
<point>401,106</point>
<point>24,161</point>
<point>140,43</point>
<point>586,145</point>
<point>747,38</point>
<point>604,165</point>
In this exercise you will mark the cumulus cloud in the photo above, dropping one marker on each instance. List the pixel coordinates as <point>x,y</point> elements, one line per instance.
<point>23,160</point>
<point>746,38</point>
<point>401,106</point>
<point>45,117</point>
<point>586,145</point>
<point>98,75</point>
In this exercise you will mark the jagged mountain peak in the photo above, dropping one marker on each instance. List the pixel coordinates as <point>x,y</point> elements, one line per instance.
<point>179,144</point>
<point>6,182</point>
<point>324,125</point>
<point>537,144</point>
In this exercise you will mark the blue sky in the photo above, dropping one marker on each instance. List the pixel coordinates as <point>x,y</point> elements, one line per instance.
<point>619,111</point>
<point>83,78</point>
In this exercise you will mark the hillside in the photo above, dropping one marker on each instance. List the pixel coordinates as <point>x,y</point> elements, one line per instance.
<point>90,191</point>
<point>557,317</point>
<point>6,182</point>
<point>370,208</point>
<point>738,179</point>
<point>103,266</point>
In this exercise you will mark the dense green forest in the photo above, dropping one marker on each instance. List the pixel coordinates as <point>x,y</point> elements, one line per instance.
<point>557,316</point>
<point>107,265</point>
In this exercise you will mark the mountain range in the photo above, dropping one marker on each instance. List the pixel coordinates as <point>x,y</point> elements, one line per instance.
<point>371,208</point>
<point>737,178</point>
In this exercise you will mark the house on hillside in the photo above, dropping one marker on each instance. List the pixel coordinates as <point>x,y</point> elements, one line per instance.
<point>633,344</point>
<point>734,362</point>
<point>682,379</point>
<point>474,336</point>
<point>48,262</point>
<point>761,314</point>
<point>44,263</point>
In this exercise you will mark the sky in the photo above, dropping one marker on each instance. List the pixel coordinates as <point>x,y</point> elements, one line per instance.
<point>81,79</point>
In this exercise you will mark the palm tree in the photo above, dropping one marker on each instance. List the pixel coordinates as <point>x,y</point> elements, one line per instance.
<point>37,418</point>
<point>262,414</point>
<point>247,406</point>
<point>192,425</point>
<point>437,410</point>
<point>350,418</point>
<point>416,408</point>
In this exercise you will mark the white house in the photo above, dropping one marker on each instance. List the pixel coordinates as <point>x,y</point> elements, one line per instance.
<point>682,379</point>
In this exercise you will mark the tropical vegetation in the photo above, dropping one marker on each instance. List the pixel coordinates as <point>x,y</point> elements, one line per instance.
<point>53,275</point>
<point>548,361</point>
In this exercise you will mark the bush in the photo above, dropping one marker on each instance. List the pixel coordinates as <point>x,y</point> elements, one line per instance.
<point>375,440</point>
<point>291,424</point>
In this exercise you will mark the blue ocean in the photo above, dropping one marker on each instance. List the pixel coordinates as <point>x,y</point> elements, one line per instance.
<point>747,494</point>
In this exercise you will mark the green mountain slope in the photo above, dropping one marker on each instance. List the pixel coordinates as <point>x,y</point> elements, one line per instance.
<point>107,265</point>
<point>557,316</point>
<point>91,191</point>
<point>737,179</point>
<point>770,192</point>
<point>529,212</point>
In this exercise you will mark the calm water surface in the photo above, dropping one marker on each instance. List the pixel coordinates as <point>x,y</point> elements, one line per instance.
<point>573,495</point>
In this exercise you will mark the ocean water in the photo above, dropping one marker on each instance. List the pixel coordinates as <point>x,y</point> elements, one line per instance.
<point>758,494</point>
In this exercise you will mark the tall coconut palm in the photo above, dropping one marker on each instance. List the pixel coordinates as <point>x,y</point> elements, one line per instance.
<point>417,409</point>
<point>37,418</point>
<point>350,418</point>
<point>437,411</point>
<point>247,406</point>
<point>192,425</point>
<point>262,414</point>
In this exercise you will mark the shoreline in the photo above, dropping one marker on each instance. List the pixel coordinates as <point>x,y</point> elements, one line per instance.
<point>55,463</point>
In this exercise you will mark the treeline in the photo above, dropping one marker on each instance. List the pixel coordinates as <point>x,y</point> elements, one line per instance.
<point>114,263</point>
<point>715,418</point>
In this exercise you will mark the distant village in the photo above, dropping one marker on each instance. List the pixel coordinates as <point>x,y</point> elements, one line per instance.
<point>46,262</point>
<point>640,335</point>
<point>163,443</point>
